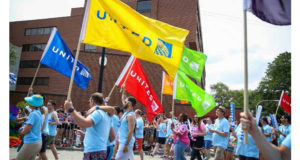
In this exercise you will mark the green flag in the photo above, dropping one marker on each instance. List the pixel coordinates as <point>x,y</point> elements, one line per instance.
<point>192,63</point>
<point>185,89</point>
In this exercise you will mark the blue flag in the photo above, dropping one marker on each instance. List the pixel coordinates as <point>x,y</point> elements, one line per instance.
<point>58,56</point>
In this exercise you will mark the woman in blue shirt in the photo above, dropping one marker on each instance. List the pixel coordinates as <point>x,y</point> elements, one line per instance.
<point>32,130</point>
<point>162,133</point>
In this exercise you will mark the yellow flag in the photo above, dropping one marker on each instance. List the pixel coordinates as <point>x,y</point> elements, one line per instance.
<point>113,24</point>
<point>167,84</point>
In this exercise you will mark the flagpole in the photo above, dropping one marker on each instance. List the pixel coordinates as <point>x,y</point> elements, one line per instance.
<point>276,111</point>
<point>246,98</point>
<point>128,73</point>
<point>37,70</point>
<point>111,91</point>
<point>173,114</point>
<point>73,71</point>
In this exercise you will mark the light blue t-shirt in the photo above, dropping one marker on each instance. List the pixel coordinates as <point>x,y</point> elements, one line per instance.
<point>268,129</point>
<point>287,141</point>
<point>248,150</point>
<point>123,130</point>
<point>52,128</point>
<point>222,126</point>
<point>45,129</point>
<point>162,133</point>
<point>140,128</point>
<point>208,135</point>
<point>35,119</point>
<point>115,124</point>
<point>284,129</point>
<point>96,136</point>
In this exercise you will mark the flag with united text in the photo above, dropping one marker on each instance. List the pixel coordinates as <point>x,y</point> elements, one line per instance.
<point>113,24</point>
<point>137,84</point>
<point>58,56</point>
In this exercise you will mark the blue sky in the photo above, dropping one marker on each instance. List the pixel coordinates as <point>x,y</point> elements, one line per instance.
<point>222,29</point>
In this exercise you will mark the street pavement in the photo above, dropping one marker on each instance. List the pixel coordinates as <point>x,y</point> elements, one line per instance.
<point>75,155</point>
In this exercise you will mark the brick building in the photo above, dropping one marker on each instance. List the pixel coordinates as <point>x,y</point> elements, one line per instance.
<point>33,35</point>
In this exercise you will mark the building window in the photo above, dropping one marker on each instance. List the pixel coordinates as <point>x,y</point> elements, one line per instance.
<point>143,6</point>
<point>33,47</point>
<point>90,48</point>
<point>43,81</point>
<point>31,64</point>
<point>38,31</point>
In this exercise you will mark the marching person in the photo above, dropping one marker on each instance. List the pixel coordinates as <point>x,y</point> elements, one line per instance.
<point>197,136</point>
<point>139,131</point>
<point>220,133</point>
<point>267,130</point>
<point>45,133</point>
<point>32,130</point>
<point>53,122</point>
<point>181,138</point>
<point>126,138</point>
<point>284,129</point>
<point>208,138</point>
<point>162,134</point>
<point>97,126</point>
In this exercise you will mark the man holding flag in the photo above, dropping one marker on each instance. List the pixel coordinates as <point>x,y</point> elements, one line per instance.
<point>126,138</point>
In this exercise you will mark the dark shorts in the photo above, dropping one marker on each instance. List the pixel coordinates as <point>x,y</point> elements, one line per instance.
<point>72,126</point>
<point>51,140</point>
<point>199,143</point>
<point>246,158</point>
<point>44,142</point>
<point>207,144</point>
<point>64,125</point>
<point>161,140</point>
<point>230,149</point>
<point>99,155</point>
<point>59,126</point>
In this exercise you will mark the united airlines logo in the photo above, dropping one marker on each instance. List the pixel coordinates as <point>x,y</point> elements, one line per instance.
<point>163,48</point>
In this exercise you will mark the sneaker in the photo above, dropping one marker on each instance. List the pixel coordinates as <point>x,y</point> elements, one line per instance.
<point>205,158</point>
<point>151,154</point>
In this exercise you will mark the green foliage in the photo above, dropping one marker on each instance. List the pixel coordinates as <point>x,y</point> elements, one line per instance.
<point>277,78</point>
<point>220,92</point>
<point>22,104</point>
<point>12,54</point>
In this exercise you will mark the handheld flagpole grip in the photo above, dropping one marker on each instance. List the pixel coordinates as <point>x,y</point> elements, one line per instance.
<point>37,70</point>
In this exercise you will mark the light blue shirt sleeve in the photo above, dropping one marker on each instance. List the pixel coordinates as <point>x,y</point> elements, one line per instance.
<point>287,141</point>
<point>96,117</point>
<point>31,119</point>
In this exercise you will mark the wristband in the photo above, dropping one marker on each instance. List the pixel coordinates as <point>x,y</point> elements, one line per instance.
<point>71,109</point>
<point>126,143</point>
<point>97,107</point>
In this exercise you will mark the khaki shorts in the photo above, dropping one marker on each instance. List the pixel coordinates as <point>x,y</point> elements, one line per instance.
<point>219,152</point>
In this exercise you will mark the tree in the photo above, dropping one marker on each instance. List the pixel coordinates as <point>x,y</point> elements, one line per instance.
<point>277,78</point>
<point>220,92</point>
<point>12,54</point>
